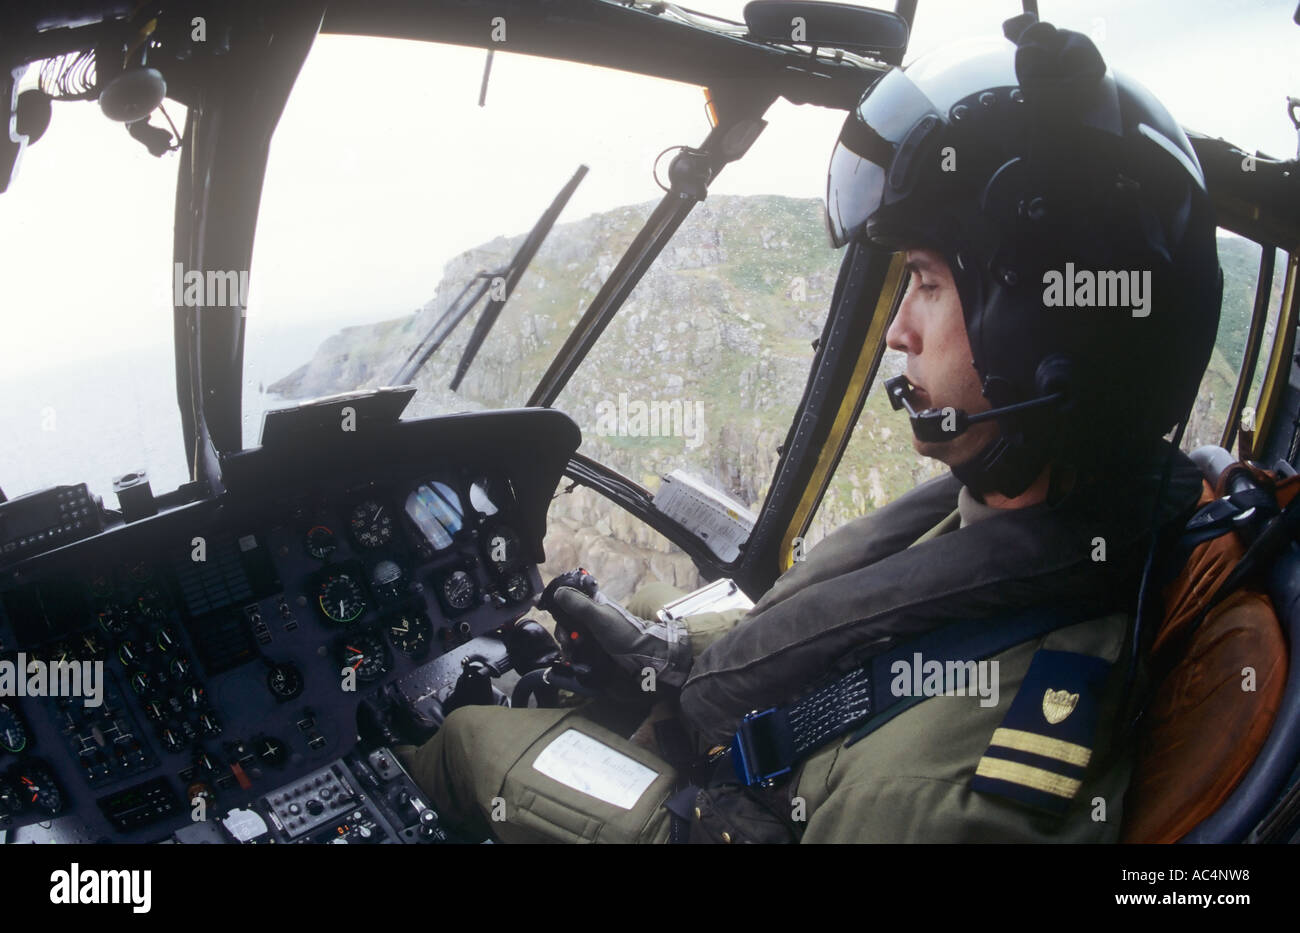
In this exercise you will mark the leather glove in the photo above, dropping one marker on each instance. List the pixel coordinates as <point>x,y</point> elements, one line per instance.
<point>584,615</point>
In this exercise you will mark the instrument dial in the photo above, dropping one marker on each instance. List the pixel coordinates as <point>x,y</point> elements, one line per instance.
<point>10,802</point>
<point>365,653</point>
<point>90,646</point>
<point>516,587</point>
<point>502,547</point>
<point>371,524</point>
<point>171,741</point>
<point>284,681</point>
<point>60,653</point>
<point>459,590</point>
<point>166,640</point>
<point>321,542</point>
<point>386,579</point>
<point>101,586</point>
<point>341,598</point>
<point>193,696</point>
<point>37,789</point>
<point>128,653</point>
<point>13,733</point>
<point>410,632</point>
<point>152,604</point>
<point>114,620</point>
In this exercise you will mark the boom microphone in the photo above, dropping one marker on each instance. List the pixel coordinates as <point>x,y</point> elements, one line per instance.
<point>943,424</point>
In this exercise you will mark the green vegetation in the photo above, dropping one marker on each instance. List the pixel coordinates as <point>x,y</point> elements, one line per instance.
<point>724,317</point>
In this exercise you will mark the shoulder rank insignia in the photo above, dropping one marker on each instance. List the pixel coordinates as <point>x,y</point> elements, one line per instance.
<point>1058,704</point>
<point>1039,754</point>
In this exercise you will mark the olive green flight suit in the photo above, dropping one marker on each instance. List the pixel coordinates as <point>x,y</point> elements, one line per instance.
<point>908,781</point>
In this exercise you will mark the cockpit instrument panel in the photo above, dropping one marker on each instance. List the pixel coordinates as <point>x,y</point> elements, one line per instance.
<point>222,648</point>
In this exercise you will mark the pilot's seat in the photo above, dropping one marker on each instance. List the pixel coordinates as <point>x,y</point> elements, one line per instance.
<point>1222,732</point>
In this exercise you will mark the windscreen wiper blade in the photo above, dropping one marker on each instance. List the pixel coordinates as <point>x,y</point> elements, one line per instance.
<point>442,328</point>
<point>513,273</point>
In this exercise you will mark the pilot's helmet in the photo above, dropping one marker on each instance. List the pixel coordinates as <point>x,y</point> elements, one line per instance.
<point>1073,213</point>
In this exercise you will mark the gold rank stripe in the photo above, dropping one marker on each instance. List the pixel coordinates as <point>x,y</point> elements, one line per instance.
<point>1014,772</point>
<point>1035,744</point>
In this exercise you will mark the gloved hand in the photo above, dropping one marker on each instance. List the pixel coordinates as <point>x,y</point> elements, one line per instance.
<point>628,644</point>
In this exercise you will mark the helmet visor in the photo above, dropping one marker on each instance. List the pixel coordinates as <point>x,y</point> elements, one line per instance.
<point>876,152</point>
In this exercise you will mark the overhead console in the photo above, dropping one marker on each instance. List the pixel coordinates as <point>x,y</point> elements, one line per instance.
<point>218,651</point>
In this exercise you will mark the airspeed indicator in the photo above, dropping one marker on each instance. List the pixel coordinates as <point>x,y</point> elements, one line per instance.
<point>341,598</point>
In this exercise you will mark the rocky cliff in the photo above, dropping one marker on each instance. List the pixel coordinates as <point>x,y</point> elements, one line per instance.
<point>716,341</point>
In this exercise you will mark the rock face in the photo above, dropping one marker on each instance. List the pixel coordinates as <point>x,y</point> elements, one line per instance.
<point>713,348</point>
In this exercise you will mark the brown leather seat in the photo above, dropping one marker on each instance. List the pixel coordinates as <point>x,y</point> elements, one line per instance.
<point>1212,713</point>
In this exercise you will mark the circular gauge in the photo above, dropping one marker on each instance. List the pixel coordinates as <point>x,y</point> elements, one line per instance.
<point>321,542</point>
<point>10,802</point>
<point>501,546</point>
<point>141,682</point>
<point>90,646</point>
<point>113,620</point>
<point>341,598</point>
<point>365,653</point>
<point>59,653</point>
<point>171,740</point>
<point>152,604</point>
<point>271,751</point>
<point>193,696</point>
<point>516,588</point>
<point>166,640</point>
<point>140,572</point>
<point>128,653</point>
<point>459,590</point>
<point>206,763</point>
<point>410,631</point>
<point>386,579</point>
<point>13,734</point>
<point>284,681</point>
<point>371,524</point>
<point>101,586</point>
<point>36,788</point>
<point>180,667</point>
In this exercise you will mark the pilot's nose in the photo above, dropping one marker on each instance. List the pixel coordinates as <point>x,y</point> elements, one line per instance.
<point>902,334</point>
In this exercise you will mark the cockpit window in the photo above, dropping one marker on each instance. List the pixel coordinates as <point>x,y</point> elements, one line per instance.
<point>387,195</point>
<point>87,366</point>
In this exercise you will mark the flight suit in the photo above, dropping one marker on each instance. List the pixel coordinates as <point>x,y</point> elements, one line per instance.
<point>947,769</point>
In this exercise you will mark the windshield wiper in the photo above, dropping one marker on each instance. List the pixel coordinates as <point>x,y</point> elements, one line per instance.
<point>442,327</point>
<point>465,301</point>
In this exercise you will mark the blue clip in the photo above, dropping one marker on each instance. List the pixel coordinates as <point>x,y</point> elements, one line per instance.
<point>763,749</point>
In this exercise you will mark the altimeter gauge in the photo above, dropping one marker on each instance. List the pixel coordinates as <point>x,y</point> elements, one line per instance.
<point>371,524</point>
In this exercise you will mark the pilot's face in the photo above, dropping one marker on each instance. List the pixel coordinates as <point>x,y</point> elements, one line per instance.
<point>931,330</point>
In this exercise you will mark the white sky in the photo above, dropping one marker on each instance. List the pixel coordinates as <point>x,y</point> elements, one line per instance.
<point>384,166</point>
